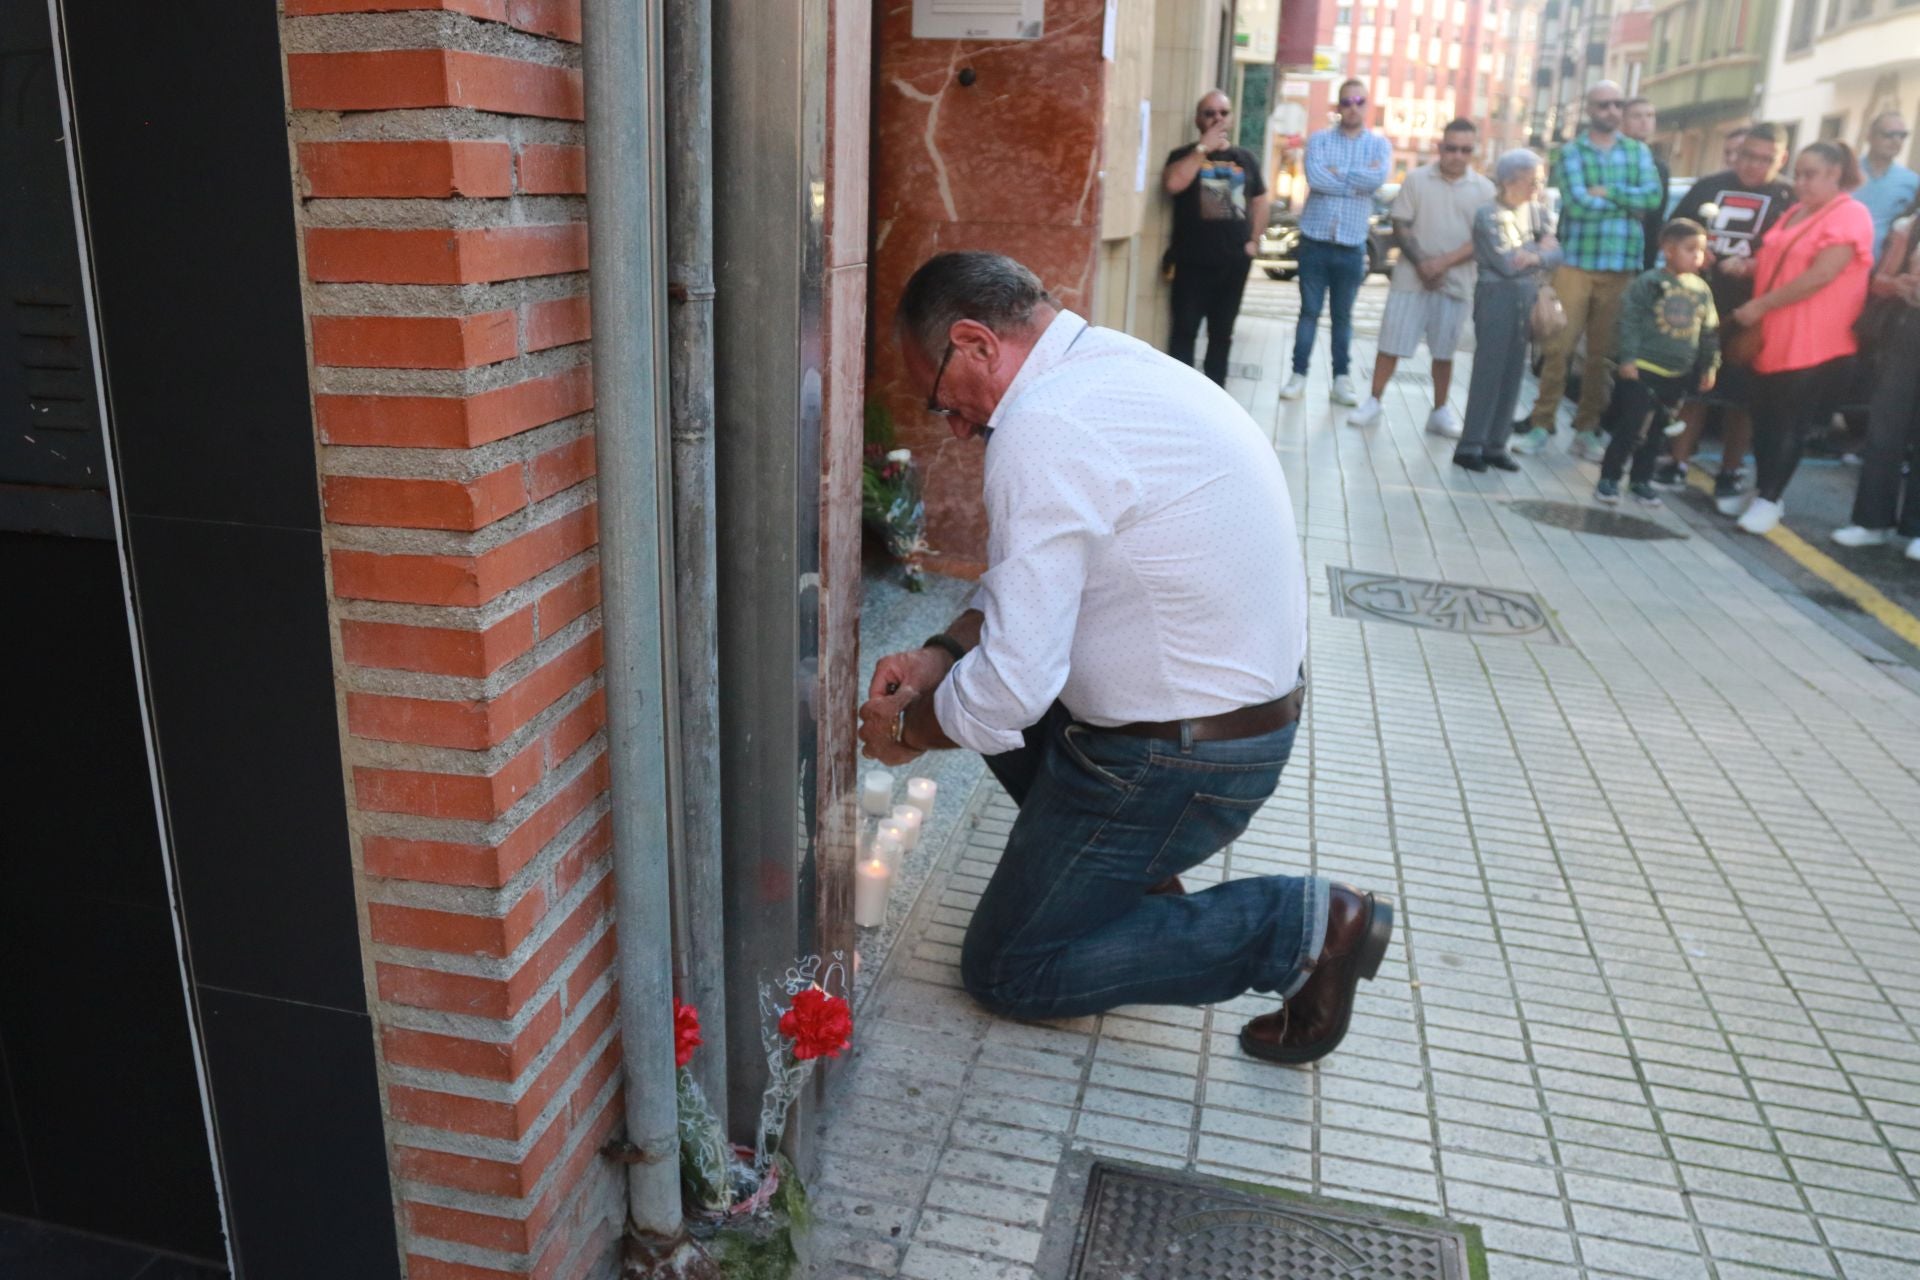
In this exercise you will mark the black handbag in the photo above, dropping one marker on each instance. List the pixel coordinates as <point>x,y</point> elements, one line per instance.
<point>1881,316</point>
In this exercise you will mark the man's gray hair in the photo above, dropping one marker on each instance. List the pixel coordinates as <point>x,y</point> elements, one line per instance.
<point>989,288</point>
<point>1513,163</point>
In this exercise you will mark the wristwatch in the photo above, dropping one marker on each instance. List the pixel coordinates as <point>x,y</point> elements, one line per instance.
<point>941,640</point>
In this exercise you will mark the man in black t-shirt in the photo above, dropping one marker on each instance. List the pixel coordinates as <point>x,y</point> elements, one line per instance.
<point>1219,211</point>
<point>1737,207</point>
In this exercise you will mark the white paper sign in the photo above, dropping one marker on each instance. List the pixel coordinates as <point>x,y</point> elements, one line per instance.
<point>1146,141</point>
<point>978,19</point>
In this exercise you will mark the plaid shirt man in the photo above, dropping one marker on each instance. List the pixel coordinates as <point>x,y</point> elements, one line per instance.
<point>1343,172</point>
<point>1604,233</point>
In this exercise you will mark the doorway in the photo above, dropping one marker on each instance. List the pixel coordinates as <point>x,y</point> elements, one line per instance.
<point>105,1161</point>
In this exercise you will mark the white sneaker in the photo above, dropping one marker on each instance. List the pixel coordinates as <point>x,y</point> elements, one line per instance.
<point>1733,504</point>
<point>1761,516</point>
<point>1444,422</point>
<point>1343,392</point>
<point>1855,536</point>
<point>1294,387</point>
<point>1367,414</point>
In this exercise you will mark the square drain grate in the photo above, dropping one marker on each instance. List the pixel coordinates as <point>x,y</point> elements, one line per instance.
<point>1441,606</point>
<point>1155,1225</point>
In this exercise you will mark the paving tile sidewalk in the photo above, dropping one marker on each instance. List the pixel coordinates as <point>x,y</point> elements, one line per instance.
<point>1652,1007</point>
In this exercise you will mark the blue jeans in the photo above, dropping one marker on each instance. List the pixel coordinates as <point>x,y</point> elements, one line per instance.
<point>1327,267</point>
<point>1065,927</point>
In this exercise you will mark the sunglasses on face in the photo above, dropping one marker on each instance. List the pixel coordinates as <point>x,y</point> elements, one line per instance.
<point>1211,114</point>
<point>1456,149</point>
<point>1611,104</point>
<point>1899,135</point>
<point>1353,102</point>
<point>1753,157</point>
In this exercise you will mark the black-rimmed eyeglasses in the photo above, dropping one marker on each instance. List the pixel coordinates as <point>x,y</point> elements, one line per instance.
<point>933,394</point>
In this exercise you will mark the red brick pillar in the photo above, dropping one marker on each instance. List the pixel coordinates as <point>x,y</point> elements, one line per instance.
<point>440,168</point>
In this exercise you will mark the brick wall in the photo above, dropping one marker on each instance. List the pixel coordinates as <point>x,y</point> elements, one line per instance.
<point>439,178</point>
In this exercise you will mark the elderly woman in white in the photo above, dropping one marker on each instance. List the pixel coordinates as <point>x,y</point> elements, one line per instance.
<point>1515,250</point>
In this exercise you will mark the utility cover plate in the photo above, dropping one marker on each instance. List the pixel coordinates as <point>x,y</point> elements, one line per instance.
<point>1144,1224</point>
<point>1586,519</point>
<point>1441,606</point>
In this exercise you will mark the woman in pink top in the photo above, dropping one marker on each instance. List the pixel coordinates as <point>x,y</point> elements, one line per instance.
<point>1810,284</point>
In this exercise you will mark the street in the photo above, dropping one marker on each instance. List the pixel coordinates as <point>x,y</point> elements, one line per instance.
<point>1819,501</point>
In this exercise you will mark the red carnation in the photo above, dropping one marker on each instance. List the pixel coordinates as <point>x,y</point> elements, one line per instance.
<point>818,1024</point>
<point>686,1033</point>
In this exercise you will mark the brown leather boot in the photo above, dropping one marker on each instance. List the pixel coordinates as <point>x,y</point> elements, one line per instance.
<point>1314,1019</point>
<point>1171,885</point>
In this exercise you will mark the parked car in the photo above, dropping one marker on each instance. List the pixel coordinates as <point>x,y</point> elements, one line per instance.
<point>1279,254</point>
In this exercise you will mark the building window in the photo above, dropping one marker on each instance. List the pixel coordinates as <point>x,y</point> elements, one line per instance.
<point>1714,42</point>
<point>1343,16</point>
<point>1663,48</point>
<point>1800,28</point>
<point>1363,64</point>
<point>1833,128</point>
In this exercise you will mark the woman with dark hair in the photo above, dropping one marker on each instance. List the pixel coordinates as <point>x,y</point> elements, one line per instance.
<point>1893,421</point>
<point>1810,284</point>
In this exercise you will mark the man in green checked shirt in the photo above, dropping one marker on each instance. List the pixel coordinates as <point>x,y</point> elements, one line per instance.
<point>1607,183</point>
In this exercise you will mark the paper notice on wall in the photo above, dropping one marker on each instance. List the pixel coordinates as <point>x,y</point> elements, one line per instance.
<point>1110,33</point>
<point>978,19</point>
<point>1146,143</point>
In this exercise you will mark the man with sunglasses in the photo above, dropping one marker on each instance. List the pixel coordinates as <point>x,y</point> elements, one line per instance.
<point>1345,165</point>
<point>1890,186</point>
<point>1219,212</point>
<point>1130,668</point>
<point>1607,181</point>
<point>1433,281</point>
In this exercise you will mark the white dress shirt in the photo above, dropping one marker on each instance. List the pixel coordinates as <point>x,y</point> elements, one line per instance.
<point>1142,559</point>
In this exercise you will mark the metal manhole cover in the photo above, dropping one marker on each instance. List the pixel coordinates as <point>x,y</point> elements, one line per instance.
<point>1582,519</point>
<point>1441,606</point>
<point>1153,1225</point>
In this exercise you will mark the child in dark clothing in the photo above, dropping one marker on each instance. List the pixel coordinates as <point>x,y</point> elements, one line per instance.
<point>1668,347</point>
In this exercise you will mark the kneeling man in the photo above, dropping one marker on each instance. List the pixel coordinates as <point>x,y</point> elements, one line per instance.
<point>1131,672</point>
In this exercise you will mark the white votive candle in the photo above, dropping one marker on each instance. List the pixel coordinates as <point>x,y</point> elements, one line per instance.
<point>895,830</point>
<point>871,879</point>
<point>876,793</point>
<point>920,794</point>
<point>887,846</point>
<point>909,819</point>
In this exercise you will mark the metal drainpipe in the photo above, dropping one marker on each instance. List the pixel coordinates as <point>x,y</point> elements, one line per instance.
<point>621,50</point>
<point>699,939</point>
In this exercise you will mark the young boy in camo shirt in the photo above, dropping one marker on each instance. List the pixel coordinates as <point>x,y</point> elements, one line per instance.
<point>1668,347</point>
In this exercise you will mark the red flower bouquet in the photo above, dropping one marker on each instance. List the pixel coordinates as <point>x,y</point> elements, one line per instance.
<point>748,1206</point>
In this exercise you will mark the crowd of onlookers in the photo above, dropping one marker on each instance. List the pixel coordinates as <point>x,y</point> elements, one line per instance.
<point>1760,305</point>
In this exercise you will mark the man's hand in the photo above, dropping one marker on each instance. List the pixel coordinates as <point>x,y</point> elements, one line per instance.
<point>1253,248</point>
<point>1736,268</point>
<point>1215,138</point>
<point>1548,242</point>
<point>1432,272</point>
<point>877,718</point>
<point>920,668</point>
<point>1524,258</point>
<point>1707,380</point>
<point>1631,372</point>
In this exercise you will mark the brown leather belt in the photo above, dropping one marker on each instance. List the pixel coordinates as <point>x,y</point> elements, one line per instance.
<point>1245,722</point>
